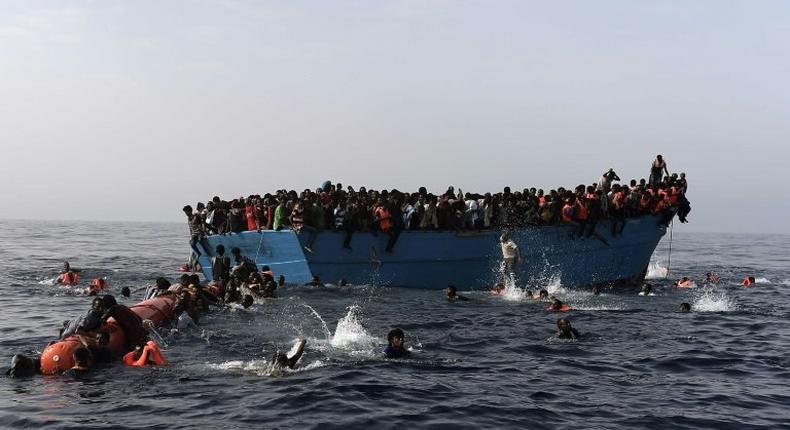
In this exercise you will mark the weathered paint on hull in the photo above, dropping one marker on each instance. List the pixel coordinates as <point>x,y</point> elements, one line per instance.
<point>432,260</point>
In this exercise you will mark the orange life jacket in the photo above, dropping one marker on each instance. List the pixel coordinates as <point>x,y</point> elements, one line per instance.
<point>151,352</point>
<point>563,308</point>
<point>617,200</point>
<point>68,278</point>
<point>747,282</point>
<point>384,218</point>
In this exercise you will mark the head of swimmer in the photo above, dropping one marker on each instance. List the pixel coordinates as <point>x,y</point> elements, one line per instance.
<point>247,301</point>
<point>396,338</point>
<point>564,325</point>
<point>451,291</point>
<point>556,304</point>
<point>685,307</point>
<point>543,294</point>
<point>504,238</point>
<point>22,366</point>
<point>646,288</point>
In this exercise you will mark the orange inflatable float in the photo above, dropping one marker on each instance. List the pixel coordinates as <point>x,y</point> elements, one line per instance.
<point>58,356</point>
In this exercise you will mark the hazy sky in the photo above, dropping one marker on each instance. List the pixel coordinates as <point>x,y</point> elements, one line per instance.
<point>129,110</point>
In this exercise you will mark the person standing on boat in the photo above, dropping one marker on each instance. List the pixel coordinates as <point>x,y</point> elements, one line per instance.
<point>657,170</point>
<point>510,254</point>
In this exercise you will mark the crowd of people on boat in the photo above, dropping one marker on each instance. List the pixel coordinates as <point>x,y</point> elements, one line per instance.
<point>333,207</point>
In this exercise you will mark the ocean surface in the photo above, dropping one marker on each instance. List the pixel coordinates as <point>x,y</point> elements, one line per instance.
<point>491,362</point>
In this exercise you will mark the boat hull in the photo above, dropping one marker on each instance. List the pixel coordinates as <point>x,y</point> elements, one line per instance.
<point>469,259</point>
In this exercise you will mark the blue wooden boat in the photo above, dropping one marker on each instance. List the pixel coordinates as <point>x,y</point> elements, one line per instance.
<point>467,259</point>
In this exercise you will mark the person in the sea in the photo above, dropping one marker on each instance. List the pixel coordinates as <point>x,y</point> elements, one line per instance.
<point>126,292</point>
<point>510,254</point>
<point>685,307</point>
<point>748,281</point>
<point>565,330</point>
<point>556,304</point>
<point>82,362</point>
<point>131,324</point>
<point>68,276</point>
<point>315,282</point>
<point>158,289</point>
<point>684,282</point>
<point>23,366</point>
<point>596,290</point>
<point>712,278</point>
<point>396,347</point>
<point>100,351</point>
<point>91,321</point>
<point>247,301</point>
<point>452,294</point>
<point>281,281</point>
<point>646,289</point>
<point>281,360</point>
<point>542,295</point>
<point>243,264</point>
<point>498,288</point>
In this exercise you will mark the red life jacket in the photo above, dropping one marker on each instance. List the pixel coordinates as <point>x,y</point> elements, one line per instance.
<point>747,282</point>
<point>617,200</point>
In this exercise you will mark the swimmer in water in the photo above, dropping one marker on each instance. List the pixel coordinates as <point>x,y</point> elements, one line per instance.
<point>82,362</point>
<point>748,281</point>
<point>542,295</point>
<point>396,347</point>
<point>452,294</point>
<point>596,290</point>
<point>685,307</point>
<point>498,288</point>
<point>126,292</point>
<point>315,282</point>
<point>646,290</point>
<point>247,301</point>
<point>556,304</point>
<point>565,330</point>
<point>281,360</point>
<point>683,282</point>
<point>712,278</point>
<point>23,366</point>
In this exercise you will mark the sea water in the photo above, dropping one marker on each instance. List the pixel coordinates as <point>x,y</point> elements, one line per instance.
<point>491,362</point>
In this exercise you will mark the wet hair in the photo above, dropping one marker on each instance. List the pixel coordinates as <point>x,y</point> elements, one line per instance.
<point>126,292</point>
<point>281,280</point>
<point>529,293</point>
<point>342,282</point>
<point>247,301</point>
<point>451,288</point>
<point>109,301</point>
<point>543,293</point>
<point>82,356</point>
<point>685,307</point>
<point>220,249</point>
<point>265,268</point>
<point>162,283</point>
<point>751,279</point>
<point>396,332</point>
<point>556,304</point>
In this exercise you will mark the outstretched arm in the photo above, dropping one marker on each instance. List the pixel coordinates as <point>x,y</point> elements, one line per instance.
<point>299,351</point>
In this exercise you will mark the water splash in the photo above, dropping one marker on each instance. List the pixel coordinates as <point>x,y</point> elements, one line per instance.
<point>261,367</point>
<point>555,285</point>
<point>350,330</point>
<point>327,333</point>
<point>714,301</point>
<point>761,281</point>
<point>48,281</point>
<point>655,270</point>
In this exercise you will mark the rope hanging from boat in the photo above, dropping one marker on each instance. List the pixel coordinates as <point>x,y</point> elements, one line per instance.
<point>260,242</point>
<point>669,256</point>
